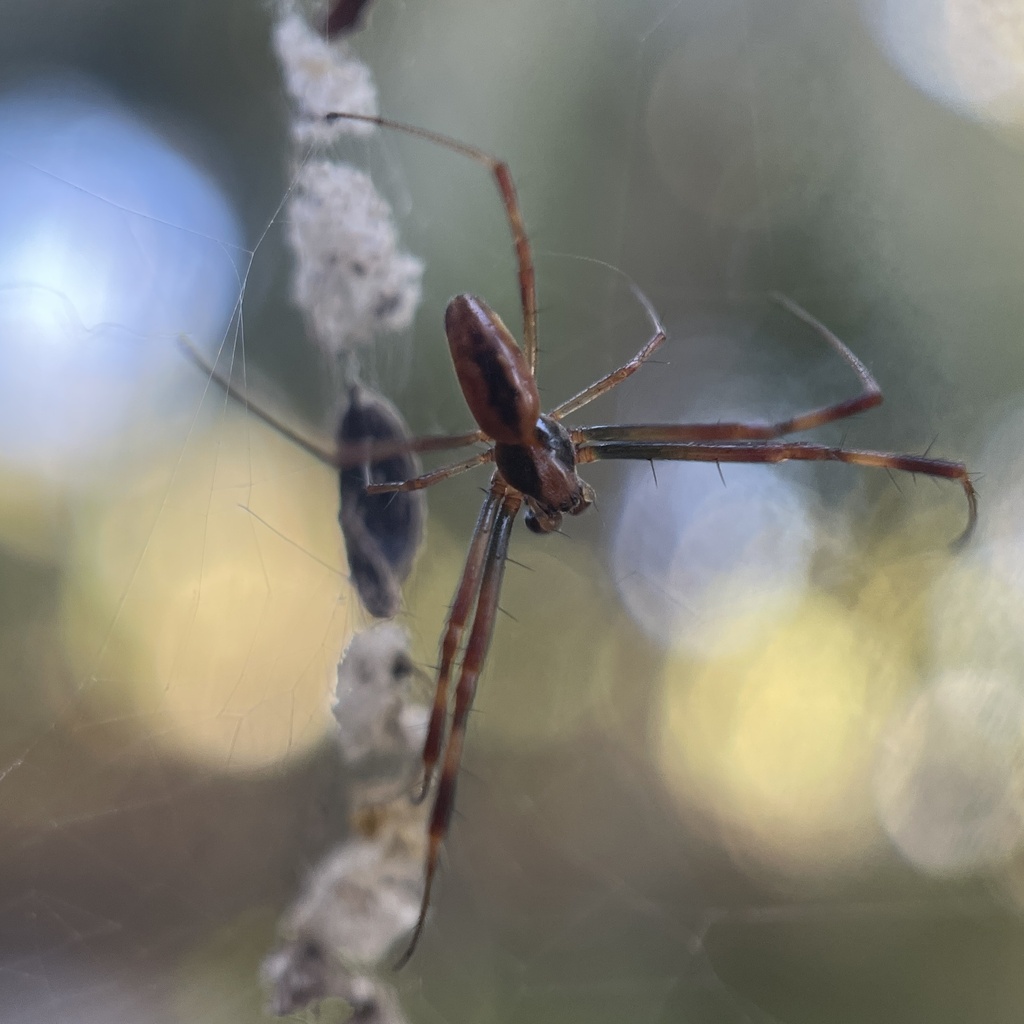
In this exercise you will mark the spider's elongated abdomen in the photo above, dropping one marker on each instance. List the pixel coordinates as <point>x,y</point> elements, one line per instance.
<point>492,370</point>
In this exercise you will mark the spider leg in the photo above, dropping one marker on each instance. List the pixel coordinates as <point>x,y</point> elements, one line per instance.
<point>505,505</point>
<point>507,190</point>
<point>319,451</point>
<point>870,395</point>
<point>784,451</point>
<point>458,615</point>
<point>678,433</point>
<point>434,476</point>
<point>341,456</point>
<point>358,453</point>
<point>609,381</point>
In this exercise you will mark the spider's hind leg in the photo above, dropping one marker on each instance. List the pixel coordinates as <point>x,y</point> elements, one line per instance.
<point>480,585</point>
<point>435,476</point>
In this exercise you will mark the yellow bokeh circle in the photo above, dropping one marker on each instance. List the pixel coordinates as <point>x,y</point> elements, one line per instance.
<point>207,601</point>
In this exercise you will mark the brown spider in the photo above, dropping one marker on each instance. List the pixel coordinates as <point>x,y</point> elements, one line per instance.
<point>535,459</point>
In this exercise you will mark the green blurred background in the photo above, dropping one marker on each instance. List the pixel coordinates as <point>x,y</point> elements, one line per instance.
<point>723,769</point>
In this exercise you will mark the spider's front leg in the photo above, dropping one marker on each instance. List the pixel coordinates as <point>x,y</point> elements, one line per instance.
<point>620,443</point>
<point>869,396</point>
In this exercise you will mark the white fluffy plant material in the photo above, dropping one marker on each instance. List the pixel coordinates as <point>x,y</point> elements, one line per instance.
<point>351,279</point>
<point>365,894</point>
<point>353,283</point>
<point>322,77</point>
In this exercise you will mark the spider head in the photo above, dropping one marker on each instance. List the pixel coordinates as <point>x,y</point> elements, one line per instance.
<point>546,520</point>
<point>545,472</point>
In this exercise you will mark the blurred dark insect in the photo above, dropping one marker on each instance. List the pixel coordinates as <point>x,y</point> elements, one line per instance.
<point>364,894</point>
<point>343,17</point>
<point>382,532</point>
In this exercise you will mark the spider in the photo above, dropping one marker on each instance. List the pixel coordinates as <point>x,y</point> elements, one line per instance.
<point>536,458</point>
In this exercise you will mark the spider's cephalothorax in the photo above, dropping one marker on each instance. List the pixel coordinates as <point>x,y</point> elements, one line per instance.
<point>533,452</point>
<point>546,474</point>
